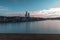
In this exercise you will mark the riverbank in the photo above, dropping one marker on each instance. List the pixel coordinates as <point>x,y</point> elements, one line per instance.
<point>5,19</point>
<point>14,19</point>
<point>29,36</point>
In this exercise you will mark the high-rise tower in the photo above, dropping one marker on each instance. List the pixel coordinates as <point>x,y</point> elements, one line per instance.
<point>27,14</point>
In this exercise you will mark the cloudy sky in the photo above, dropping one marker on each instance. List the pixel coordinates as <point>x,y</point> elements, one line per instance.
<point>40,8</point>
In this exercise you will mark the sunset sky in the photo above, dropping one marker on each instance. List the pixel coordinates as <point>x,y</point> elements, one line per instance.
<point>39,7</point>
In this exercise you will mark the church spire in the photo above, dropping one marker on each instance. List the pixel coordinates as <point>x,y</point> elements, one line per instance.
<point>27,14</point>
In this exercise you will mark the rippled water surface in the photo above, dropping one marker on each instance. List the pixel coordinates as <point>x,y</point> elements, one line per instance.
<point>39,27</point>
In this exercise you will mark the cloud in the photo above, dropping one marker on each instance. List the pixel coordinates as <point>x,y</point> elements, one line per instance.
<point>52,12</point>
<point>36,14</point>
<point>14,14</point>
<point>3,8</point>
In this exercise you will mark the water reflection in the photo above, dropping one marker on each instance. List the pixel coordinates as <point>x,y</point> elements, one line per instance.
<point>39,27</point>
<point>28,27</point>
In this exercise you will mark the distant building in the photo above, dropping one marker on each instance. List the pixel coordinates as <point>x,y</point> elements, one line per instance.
<point>27,14</point>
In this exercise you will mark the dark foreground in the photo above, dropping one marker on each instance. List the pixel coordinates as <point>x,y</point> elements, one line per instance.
<point>29,36</point>
<point>14,19</point>
<point>5,19</point>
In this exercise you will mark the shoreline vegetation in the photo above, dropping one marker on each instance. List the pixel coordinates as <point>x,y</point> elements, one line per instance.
<point>14,19</point>
<point>6,19</point>
<point>26,18</point>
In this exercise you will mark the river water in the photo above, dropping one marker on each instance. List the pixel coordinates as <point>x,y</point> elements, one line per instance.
<point>36,27</point>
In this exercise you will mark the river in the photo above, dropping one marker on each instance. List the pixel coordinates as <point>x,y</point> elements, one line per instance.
<point>36,27</point>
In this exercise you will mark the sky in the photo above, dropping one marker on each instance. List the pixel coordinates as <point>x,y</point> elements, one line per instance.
<point>33,6</point>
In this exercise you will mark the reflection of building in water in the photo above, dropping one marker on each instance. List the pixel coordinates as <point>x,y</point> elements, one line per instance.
<point>27,24</point>
<point>27,14</point>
